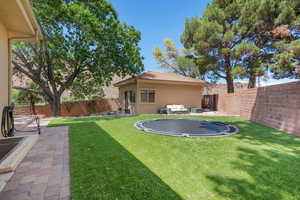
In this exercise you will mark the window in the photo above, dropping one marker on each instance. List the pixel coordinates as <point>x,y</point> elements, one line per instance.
<point>148,96</point>
<point>132,96</point>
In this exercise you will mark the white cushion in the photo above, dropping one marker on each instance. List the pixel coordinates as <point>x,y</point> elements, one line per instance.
<point>169,106</point>
<point>177,108</point>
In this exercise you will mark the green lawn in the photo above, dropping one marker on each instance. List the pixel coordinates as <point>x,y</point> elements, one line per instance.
<point>111,160</point>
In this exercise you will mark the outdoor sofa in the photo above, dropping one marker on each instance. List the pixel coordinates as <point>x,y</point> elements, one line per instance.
<point>174,108</point>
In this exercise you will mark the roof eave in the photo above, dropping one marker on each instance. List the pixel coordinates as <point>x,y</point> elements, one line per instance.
<point>125,82</point>
<point>33,32</point>
<point>171,81</point>
<point>32,21</point>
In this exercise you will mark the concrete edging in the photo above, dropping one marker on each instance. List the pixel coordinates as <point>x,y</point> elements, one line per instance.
<point>12,161</point>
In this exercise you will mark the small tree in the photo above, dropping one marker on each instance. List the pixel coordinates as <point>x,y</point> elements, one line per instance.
<point>80,37</point>
<point>27,96</point>
<point>176,61</point>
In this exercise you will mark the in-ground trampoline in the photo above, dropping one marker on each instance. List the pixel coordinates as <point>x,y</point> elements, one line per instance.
<point>187,127</point>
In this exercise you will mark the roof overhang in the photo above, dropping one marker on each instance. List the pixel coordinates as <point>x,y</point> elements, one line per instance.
<point>18,18</point>
<point>171,82</point>
<point>126,82</point>
<point>156,81</point>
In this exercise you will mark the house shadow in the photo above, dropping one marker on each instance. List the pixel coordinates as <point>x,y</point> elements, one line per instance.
<point>101,168</point>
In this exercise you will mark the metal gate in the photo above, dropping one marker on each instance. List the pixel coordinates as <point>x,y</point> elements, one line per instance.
<point>210,102</point>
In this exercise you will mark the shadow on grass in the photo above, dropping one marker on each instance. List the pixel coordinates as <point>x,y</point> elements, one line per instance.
<point>91,118</point>
<point>103,169</point>
<point>268,162</point>
<point>272,165</point>
<point>259,134</point>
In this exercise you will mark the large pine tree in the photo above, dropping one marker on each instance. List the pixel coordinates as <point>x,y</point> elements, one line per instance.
<point>237,38</point>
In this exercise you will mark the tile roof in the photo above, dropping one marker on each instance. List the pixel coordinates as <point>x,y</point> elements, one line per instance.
<point>164,76</point>
<point>152,75</point>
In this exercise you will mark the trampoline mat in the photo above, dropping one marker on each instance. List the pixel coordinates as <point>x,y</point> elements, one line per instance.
<point>186,127</point>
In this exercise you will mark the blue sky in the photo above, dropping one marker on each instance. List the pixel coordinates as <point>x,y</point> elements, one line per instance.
<point>160,19</point>
<point>157,20</point>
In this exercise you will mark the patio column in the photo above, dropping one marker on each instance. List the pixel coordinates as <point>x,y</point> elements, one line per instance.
<point>4,68</point>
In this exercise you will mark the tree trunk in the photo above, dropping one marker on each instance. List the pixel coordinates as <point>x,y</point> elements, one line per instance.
<point>229,78</point>
<point>252,81</point>
<point>55,106</point>
<point>32,103</point>
<point>230,84</point>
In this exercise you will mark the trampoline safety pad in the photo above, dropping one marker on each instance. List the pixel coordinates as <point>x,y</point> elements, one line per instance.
<point>186,127</point>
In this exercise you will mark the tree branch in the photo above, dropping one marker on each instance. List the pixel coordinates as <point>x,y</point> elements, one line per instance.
<point>28,90</point>
<point>40,58</point>
<point>37,80</point>
<point>69,80</point>
<point>20,69</point>
<point>219,75</point>
<point>173,67</point>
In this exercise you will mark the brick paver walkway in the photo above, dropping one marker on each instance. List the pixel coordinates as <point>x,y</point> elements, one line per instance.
<point>44,173</point>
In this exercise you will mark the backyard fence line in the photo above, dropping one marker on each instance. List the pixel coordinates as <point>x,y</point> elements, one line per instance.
<point>276,106</point>
<point>71,109</point>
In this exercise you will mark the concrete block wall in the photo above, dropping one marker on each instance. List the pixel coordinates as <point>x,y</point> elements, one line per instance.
<point>276,106</point>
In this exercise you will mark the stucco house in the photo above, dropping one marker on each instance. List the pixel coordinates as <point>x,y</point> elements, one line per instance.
<point>17,22</point>
<point>150,91</point>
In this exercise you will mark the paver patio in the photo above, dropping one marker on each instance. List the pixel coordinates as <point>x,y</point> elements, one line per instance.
<point>44,173</point>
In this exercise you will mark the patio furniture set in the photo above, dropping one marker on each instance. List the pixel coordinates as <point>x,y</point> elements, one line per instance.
<point>179,109</point>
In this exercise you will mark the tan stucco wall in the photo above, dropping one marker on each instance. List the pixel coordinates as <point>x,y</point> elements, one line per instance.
<point>188,95</point>
<point>4,68</point>
<point>122,90</point>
